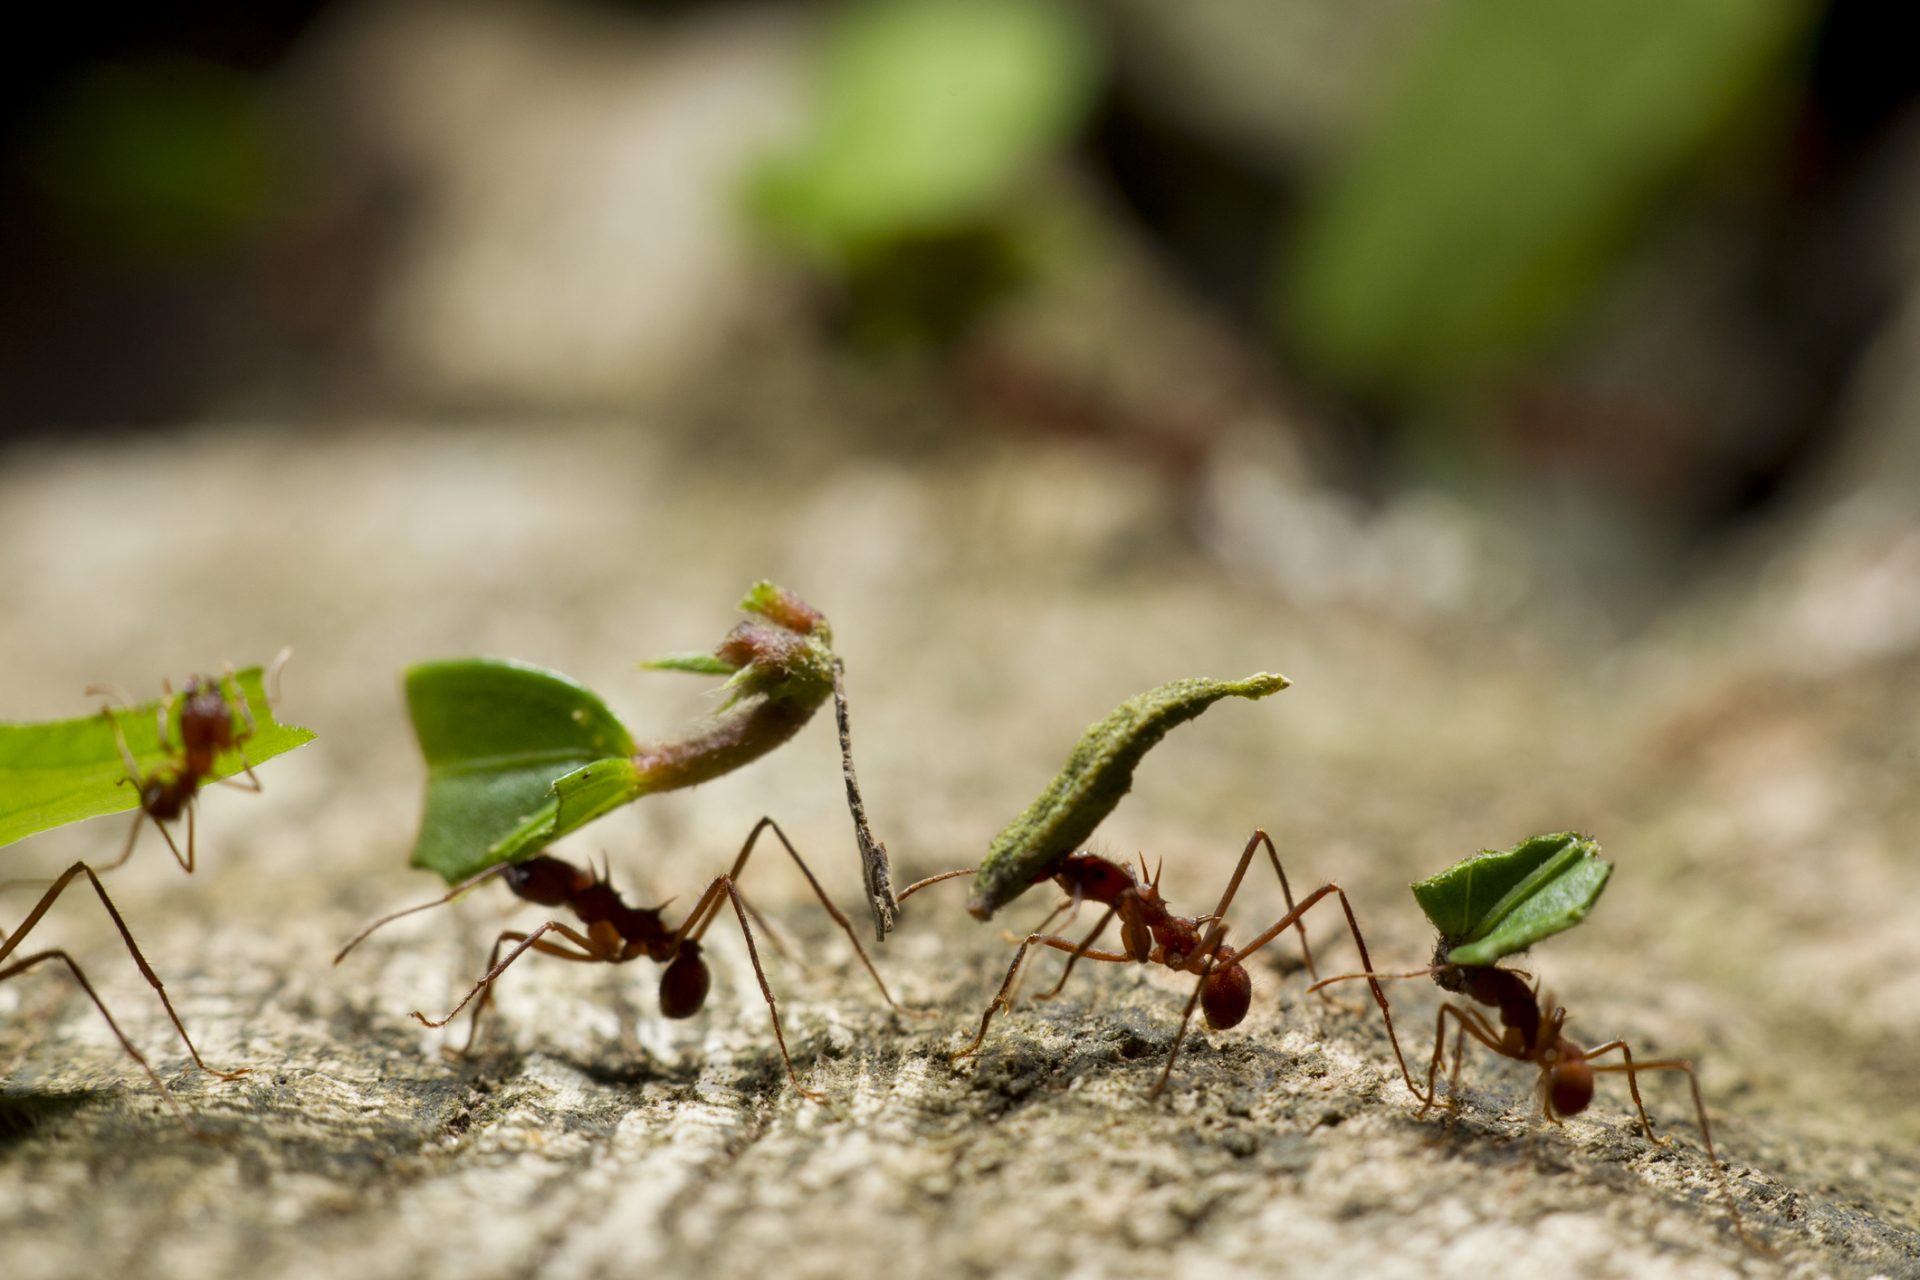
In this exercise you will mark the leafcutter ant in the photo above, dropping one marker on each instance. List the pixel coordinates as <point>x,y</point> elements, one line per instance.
<point>1151,933</point>
<point>615,933</point>
<point>207,728</point>
<point>1532,1031</point>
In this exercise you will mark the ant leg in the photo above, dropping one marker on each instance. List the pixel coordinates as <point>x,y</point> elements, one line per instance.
<point>493,959</point>
<point>826,903</point>
<point>126,850</point>
<point>440,901</point>
<point>21,966</point>
<point>1292,919</point>
<point>1470,1022</point>
<point>528,941</point>
<point>753,954</point>
<point>40,909</point>
<point>1286,892</point>
<point>1001,1001</point>
<point>1085,945</point>
<point>1631,1069</point>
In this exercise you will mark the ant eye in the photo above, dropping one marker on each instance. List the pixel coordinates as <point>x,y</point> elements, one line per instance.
<point>1225,997</point>
<point>683,987</point>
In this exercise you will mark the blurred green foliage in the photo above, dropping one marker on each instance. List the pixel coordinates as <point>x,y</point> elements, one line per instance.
<point>1517,151</point>
<point>156,157</point>
<point>929,117</point>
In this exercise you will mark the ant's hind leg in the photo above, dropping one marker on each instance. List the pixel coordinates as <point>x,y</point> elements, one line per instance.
<point>40,909</point>
<point>826,903</point>
<point>1631,1070</point>
<point>766,990</point>
<point>21,966</point>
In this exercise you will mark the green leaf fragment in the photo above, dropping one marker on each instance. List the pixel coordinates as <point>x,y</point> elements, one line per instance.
<point>1502,901</point>
<point>518,756</point>
<point>60,771</point>
<point>1096,776</point>
<point>496,735</point>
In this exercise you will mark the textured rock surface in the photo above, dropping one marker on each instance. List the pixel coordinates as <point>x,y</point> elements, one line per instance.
<point>989,606</point>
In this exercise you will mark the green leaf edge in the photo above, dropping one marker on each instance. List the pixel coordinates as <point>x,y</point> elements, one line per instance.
<point>1546,884</point>
<point>272,737</point>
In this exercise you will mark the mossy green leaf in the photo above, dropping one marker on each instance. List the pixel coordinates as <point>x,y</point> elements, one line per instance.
<point>58,771</point>
<point>496,734</point>
<point>1502,901</point>
<point>1096,776</point>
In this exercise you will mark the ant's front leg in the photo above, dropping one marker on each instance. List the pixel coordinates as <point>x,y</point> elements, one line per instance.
<point>534,941</point>
<point>1002,999</point>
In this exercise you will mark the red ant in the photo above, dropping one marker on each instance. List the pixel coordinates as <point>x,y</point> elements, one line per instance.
<point>1531,1032</point>
<point>206,729</point>
<point>616,933</point>
<point>12,942</point>
<point>1150,933</point>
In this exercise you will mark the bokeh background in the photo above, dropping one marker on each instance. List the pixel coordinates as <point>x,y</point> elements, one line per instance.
<point>1535,385</point>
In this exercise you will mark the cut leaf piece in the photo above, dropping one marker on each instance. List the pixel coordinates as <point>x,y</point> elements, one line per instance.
<point>1097,775</point>
<point>1502,901</point>
<point>60,771</point>
<point>496,734</point>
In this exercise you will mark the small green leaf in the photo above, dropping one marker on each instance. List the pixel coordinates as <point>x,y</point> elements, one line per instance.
<point>60,771</point>
<point>496,735</point>
<point>1501,901</point>
<point>593,790</point>
<point>699,664</point>
<point>1097,775</point>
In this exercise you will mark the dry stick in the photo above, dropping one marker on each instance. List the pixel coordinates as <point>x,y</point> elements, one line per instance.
<point>873,854</point>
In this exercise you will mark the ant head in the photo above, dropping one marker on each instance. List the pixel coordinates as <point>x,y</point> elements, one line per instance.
<point>683,987</point>
<point>1569,1080</point>
<point>164,797</point>
<point>1227,992</point>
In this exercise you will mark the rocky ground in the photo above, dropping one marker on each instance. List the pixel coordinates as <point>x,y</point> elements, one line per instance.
<point>1744,753</point>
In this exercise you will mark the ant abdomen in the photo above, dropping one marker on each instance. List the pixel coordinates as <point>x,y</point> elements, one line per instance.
<point>1227,993</point>
<point>1570,1085</point>
<point>683,987</point>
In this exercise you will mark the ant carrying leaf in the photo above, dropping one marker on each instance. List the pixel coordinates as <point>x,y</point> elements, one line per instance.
<point>614,933</point>
<point>1493,905</point>
<point>1151,933</point>
<point>518,756</point>
<point>155,756</point>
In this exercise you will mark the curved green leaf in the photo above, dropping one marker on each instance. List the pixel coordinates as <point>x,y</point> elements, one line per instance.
<point>496,734</point>
<point>1502,901</point>
<point>1096,776</point>
<point>60,771</point>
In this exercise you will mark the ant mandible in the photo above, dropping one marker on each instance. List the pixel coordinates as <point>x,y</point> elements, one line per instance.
<point>1531,1031</point>
<point>616,933</point>
<point>207,728</point>
<point>1152,934</point>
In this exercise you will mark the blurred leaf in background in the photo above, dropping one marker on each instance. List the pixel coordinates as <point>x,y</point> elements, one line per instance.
<point>930,117</point>
<point>157,157</point>
<point>1519,149</point>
